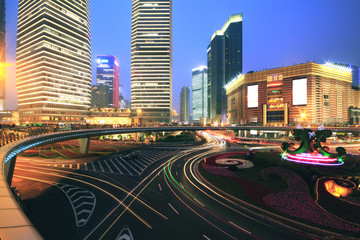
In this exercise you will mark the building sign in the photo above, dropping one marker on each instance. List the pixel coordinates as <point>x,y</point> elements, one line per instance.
<point>253,96</point>
<point>274,81</point>
<point>299,91</point>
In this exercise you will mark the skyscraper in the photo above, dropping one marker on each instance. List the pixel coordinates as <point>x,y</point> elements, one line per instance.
<point>100,96</point>
<point>53,65</point>
<point>199,93</point>
<point>185,104</point>
<point>2,55</point>
<point>224,64</point>
<point>107,73</point>
<point>151,62</point>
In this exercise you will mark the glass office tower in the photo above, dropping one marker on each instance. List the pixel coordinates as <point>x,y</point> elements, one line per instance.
<point>107,73</point>
<point>224,64</point>
<point>185,104</point>
<point>151,63</point>
<point>200,93</point>
<point>53,64</point>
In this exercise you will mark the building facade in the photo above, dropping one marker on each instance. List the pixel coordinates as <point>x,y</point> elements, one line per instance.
<point>107,73</point>
<point>151,60</point>
<point>185,104</point>
<point>100,96</point>
<point>109,116</point>
<point>2,55</point>
<point>305,94</point>
<point>224,64</point>
<point>199,93</point>
<point>53,64</point>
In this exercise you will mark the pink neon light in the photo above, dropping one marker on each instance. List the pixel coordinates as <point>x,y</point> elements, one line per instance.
<point>311,158</point>
<point>314,163</point>
<point>307,158</point>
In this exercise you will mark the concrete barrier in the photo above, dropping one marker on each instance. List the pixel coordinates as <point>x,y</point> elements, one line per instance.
<point>14,224</point>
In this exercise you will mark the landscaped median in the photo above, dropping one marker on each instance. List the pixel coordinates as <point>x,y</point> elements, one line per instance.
<point>280,191</point>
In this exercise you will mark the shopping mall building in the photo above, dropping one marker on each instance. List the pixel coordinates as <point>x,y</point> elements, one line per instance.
<point>307,93</point>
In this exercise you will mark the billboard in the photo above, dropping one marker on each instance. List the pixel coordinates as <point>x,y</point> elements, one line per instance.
<point>253,96</point>
<point>299,91</point>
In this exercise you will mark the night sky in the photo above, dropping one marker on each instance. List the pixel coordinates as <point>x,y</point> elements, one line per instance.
<point>276,33</point>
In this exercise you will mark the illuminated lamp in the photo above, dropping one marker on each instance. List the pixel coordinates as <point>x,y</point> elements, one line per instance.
<point>340,187</point>
<point>275,84</point>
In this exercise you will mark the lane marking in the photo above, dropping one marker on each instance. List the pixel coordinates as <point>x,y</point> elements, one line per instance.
<point>93,166</point>
<point>130,173</point>
<point>141,163</point>
<point>108,166</point>
<point>133,163</point>
<point>160,187</point>
<point>81,197</point>
<point>101,167</point>
<point>78,192</point>
<point>125,162</point>
<point>173,208</point>
<point>116,166</point>
<point>144,162</point>
<point>83,211</point>
<point>242,229</point>
<point>84,203</point>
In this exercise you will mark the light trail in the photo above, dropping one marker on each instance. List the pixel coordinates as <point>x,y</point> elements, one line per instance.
<point>177,185</point>
<point>103,181</point>
<point>213,225</point>
<point>94,186</point>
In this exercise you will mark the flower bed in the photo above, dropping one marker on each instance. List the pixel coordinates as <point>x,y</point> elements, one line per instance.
<point>338,206</point>
<point>297,202</point>
<point>239,163</point>
<point>252,190</point>
<point>211,160</point>
<point>218,170</point>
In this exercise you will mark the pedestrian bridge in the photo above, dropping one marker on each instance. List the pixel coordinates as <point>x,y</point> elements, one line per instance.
<point>14,223</point>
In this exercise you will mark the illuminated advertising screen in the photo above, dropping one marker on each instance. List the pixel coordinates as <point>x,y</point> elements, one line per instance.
<point>300,91</point>
<point>253,96</point>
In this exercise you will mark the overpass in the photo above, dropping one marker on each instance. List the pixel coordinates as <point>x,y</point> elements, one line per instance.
<point>14,223</point>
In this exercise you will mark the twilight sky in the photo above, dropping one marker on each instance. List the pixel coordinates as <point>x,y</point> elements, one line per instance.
<point>276,33</point>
